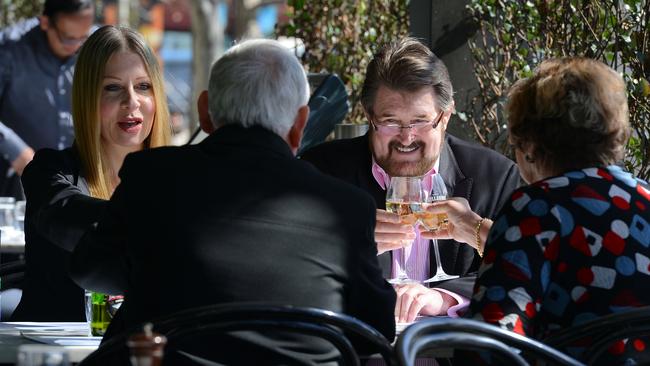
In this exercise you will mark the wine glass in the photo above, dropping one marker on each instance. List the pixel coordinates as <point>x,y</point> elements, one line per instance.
<point>404,197</point>
<point>433,222</point>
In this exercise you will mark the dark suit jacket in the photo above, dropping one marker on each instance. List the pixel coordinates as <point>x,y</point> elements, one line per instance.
<point>59,210</point>
<point>482,176</point>
<point>236,218</point>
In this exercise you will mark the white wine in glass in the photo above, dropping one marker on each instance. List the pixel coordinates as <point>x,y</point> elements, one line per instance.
<point>405,197</point>
<point>433,222</point>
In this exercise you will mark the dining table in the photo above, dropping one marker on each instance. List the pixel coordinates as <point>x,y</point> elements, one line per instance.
<point>72,337</point>
<point>12,241</point>
<point>75,339</point>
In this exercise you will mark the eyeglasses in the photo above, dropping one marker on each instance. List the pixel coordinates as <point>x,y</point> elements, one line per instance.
<point>68,41</point>
<point>395,128</point>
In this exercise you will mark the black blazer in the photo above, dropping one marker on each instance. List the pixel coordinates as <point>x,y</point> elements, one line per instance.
<point>59,210</point>
<point>236,218</point>
<point>482,176</point>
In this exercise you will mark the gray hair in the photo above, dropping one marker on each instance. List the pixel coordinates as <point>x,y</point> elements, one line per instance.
<point>257,83</point>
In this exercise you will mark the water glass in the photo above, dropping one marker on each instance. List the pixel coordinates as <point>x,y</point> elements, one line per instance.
<point>100,310</point>
<point>88,302</point>
<point>42,355</point>
<point>7,205</point>
<point>19,215</point>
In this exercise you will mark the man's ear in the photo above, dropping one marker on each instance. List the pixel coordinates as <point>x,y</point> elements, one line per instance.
<point>295,133</point>
<point>447,115</point>
<point>44,22</point>
<point>204,115</point>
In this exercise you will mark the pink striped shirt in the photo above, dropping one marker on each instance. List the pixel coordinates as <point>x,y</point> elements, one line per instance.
<point>416,254</point>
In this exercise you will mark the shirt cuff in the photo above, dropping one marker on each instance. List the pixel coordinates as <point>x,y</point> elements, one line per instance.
<point>11,145</point>
<point>462,303</point>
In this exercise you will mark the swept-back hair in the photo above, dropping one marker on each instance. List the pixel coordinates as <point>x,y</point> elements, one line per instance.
<point>257,82</point>
<point>86,95</point>
<point>407,65</point>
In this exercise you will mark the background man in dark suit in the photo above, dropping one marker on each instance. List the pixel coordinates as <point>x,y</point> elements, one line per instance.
<point>408,100</point>
<point>37,59</point>
<point>237,218</point>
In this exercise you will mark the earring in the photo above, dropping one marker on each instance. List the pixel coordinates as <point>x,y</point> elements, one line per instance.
<point>529,159</point>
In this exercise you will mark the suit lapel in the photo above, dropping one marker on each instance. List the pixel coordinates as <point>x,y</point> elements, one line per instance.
<point>457,184</point>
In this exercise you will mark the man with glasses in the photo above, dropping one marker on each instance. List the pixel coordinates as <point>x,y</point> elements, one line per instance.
<point>36,67</point>
<point>408,100</point>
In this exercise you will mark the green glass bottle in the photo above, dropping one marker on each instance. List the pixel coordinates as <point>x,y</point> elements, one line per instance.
<point>100,316</point>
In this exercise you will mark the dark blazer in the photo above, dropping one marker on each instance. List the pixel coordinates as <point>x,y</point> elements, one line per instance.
<point>482,176</point>
<point>236,218</point>
<point>59,210</point>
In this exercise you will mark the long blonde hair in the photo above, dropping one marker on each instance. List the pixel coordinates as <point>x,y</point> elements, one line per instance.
<point>86,93</point>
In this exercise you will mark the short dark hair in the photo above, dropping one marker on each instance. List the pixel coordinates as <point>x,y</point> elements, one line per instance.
<point>54,7</point>
<point>407,65</point>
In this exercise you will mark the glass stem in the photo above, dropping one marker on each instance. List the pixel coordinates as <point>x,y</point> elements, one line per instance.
<point>402,263</point>
<point>436,252</point>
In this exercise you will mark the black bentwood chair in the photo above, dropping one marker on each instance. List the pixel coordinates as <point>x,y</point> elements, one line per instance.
<point>602,332</point>
<point>219,319</point>
<point>12,275</point>
<point>466,334</point>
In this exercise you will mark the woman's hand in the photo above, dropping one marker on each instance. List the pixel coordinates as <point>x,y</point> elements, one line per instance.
<point>462,222</point>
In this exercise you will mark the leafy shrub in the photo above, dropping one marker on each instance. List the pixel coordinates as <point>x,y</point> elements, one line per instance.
<point>515,36</point>
<point>340,37</point>
<point>14,10</point>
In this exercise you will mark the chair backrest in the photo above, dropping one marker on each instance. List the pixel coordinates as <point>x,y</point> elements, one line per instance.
<point>12,268</point>
<point>602,332</point>
<point>328,106</point>
<point>463,332</point>
<point>12,275</point>
<point>225,318</point>
<point>440,341</point>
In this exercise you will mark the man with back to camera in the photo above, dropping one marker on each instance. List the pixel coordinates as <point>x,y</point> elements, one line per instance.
<point>237,218</point>
<point>408,99</point>
<point>36,66</point>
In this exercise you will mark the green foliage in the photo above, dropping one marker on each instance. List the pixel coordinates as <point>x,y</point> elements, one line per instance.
<point>14,10</point>
<point>11,11</point>
<point>515,36</point>
<point>340,36</point>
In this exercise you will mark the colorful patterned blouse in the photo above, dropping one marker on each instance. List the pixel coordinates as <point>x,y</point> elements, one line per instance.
<point>566,250</point>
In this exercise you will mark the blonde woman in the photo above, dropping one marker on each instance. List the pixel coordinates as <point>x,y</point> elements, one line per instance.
<point>118,106</point>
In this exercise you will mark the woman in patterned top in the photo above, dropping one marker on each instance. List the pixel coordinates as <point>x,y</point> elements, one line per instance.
<point>574,244</point>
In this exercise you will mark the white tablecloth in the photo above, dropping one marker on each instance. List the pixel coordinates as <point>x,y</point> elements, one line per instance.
<point>73,337</point>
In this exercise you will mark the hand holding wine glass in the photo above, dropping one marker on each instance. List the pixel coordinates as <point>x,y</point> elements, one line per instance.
<point>434,221</point>
<point>390,232</point>
<point>462,221</point>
